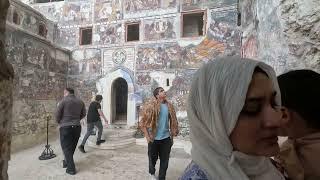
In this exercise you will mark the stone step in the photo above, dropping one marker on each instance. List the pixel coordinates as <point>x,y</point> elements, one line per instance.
<point>115,138</point>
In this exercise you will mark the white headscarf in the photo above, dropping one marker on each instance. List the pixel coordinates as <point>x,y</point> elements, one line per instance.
<point>217,96</point>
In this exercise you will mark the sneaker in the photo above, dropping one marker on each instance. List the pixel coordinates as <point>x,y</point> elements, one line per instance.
<point>153,177</point>
<point>81,148</point>
<point>71,172</point>
<point>100,141</point>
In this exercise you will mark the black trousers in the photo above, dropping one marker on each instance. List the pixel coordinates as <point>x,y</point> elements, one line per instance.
<point>69,137</point>
<point>161,149</point>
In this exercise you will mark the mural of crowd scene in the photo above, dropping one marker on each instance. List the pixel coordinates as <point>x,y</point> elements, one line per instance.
<point>133,6</point>
<point>67,37</point>
<point>143,78</point>
<point>56,83</point>
<point>14,48</point>
<point>107,10</point>
<point>35,54</point>
<point>159,29</point>
<point>84,88</point>
<point>76,13</point>
<point>30,23</point>
<point>51,11</point>
<point>158,56</point>
<point>26,84</point>
<point>108,34</point>
<point>29,117</point>
<point>180,88</point>
<point>223,28</point>
<point>198,4</point>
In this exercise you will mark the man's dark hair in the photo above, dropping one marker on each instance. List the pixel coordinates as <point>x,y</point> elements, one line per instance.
<point>300,92</point>
<point>156,91</point>
<point>70,90</point>
<point>98,97</point>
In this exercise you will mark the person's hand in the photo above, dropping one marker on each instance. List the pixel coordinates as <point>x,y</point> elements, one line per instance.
<point>148,139</point>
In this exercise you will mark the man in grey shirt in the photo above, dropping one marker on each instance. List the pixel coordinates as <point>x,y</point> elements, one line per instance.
<point>69,113</point>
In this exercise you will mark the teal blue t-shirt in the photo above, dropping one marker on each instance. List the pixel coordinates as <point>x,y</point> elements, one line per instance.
<point>163,123</point>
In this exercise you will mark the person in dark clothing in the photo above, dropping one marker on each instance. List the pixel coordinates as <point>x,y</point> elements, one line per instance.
<point>68,115</point>
<point>93,119</point>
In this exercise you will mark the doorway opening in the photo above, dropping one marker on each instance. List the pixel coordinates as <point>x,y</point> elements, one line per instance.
<point>119,101</point>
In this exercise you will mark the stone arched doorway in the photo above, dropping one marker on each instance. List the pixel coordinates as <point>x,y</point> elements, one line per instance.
<point>119,101</point>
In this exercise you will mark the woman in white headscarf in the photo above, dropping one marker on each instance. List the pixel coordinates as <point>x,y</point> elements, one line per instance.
<point>234,116</point>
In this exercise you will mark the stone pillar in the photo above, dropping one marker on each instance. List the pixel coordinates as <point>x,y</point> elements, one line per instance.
<point>6,85</point>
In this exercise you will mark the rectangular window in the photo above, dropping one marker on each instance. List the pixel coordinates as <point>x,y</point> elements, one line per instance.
<point>132,32</point>
<point>193,24</point>
<point>85,36</point>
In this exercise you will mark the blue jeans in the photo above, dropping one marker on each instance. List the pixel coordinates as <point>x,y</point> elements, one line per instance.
<point>90,127</point>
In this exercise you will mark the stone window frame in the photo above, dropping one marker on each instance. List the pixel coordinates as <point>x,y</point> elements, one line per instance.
<point>204,28</point>
<point>81,29</point>
<point>126,30</point>
<point>16,19</point>
<point>43,32</point>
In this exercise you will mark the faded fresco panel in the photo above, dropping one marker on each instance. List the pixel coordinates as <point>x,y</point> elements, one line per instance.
<point>68,37</point>
<point>133,6</point>
<point>107,11</point>
<point>88,66</point>
<point>35,54</point>
<point>143,78</point>
<point>14,48</point>
<point>52,11</point>
<point>30,23</point>
<point>223,29</point>
<point>198,4</point>
<point>179,91</point>
<point>169,3</point>
<point>249,48</point>
<point>159,29</point>
<point>247,13</point>
<point>108,34</point>
<point>76,13</point>
<point>158,56</point>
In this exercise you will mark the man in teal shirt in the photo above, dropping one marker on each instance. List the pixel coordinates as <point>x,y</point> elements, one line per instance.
<point>159,124</point>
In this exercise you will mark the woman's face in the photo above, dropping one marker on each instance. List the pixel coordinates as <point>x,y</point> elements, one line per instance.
<point>259,121</point>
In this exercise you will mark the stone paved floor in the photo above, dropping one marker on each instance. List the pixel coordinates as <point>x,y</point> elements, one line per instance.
<point>123,164</point>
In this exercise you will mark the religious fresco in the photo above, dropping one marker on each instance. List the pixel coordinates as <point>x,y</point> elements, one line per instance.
<point>139,5</point>
<point>107,10</point>
<point>143,78</point>
<point>159,29</point>
<point>223,28</point>
<point>89,65</point>
<point>67,37</point>
<point>108,34</point>
<point>76,13</point>
<point>30,22</point>
<point>198,4</point>
<point>158,56</point>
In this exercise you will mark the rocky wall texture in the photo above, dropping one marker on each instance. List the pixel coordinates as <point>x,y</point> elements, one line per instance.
<point>283,33</point>
<point>6,86</point>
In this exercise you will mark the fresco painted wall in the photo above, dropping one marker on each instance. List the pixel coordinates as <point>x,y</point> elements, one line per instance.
<point>40,76</point>
<point>161,57</point>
